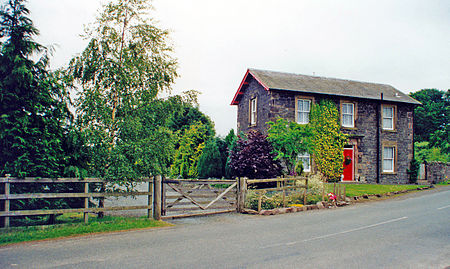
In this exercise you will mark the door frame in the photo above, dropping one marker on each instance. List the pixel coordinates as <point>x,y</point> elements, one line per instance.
<point>352,148</point>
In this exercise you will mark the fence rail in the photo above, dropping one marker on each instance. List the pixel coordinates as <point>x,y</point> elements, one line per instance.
<point>283,185</point>
<point>182,197</point>
<point>7,197</point>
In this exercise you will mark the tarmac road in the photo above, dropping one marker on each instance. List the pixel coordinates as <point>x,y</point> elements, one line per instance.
<point>408,232</point>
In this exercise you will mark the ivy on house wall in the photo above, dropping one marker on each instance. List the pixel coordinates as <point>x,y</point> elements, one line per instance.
<point>328,140</point>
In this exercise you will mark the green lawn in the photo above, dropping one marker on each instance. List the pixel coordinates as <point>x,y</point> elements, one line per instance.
<point>107,224</point>
<point>361,189</point>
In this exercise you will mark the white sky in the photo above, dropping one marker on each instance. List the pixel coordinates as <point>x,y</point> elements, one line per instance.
<point>404,43</point>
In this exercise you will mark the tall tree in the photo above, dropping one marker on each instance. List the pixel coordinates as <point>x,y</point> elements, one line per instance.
<point>33,109</point>
<point>125,65</point>
<point>433,116</point>
<point>328,140</point>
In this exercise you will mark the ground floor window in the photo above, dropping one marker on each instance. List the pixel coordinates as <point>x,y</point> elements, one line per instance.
<point>305,158</point>
<point>388,159</point>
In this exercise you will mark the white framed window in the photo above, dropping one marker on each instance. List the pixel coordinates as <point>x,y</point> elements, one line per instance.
<point>348,115</point>
<point>303,110</point>
<point>388,117</point>
<point>388,159</point>
<point>305,158</point>
<point>253,111</point>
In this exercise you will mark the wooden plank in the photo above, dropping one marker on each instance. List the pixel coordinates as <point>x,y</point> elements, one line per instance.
<point>149,200</point>
<point>185,195</point>
<point>205,196</point>
<point>70,210</point>
<point>86,203</point>
<point>198,214</point>
<point>197,209</point>
<point>69,195</point>
<point>279,189</point>
<point>179,197</point>
<point>221,195</point>
<point>180,204</point>
<point>252,181</point>
<point>199,181</point>
<point>59,180</point>
<point>6,205</point>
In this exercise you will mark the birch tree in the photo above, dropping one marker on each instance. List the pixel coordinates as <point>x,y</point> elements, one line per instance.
<point>126,63</point>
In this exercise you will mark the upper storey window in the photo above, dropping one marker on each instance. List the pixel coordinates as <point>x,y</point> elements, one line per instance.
<point>303,110</point>
<point>348,115</point>
<point>253,111</point>
<point>388,117</point>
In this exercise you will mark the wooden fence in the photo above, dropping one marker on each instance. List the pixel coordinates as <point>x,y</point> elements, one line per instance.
<point>166,198</point>
<point>283,185</point>
<point>7,197</point>
<point>197,197</point>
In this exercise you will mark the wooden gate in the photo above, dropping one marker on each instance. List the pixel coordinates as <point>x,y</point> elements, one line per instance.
<point>187,198</point>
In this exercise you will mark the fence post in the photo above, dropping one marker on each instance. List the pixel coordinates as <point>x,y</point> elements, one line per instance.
<point>306,192</point>
<point>5,222</point>
<point>149,199</point>
<point>157,197</point>
<point>101,201</point>
<point>242,188</point>
<point>86,202</point>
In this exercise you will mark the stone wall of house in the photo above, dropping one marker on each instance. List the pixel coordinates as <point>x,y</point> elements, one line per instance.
<point>363,136</point>
<point>437,172</point>
<point>403,137</point>
<point>253,90</point>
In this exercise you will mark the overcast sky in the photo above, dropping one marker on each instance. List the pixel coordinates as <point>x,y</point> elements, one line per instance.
<point>402,43</point>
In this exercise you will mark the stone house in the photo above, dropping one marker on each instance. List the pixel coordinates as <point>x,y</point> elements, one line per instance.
<point>377,117</point>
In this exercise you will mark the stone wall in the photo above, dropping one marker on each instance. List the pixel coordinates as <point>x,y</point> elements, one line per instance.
<point>363,137</point>
<point>253,90</point>
<point>437,172</point>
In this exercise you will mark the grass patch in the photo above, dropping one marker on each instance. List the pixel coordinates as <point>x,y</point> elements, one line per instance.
<point>361,189</point>
<point>107,224</point>
<point>443,183</point>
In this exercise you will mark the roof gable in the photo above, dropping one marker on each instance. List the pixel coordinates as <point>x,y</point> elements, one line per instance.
<point>271,80</point>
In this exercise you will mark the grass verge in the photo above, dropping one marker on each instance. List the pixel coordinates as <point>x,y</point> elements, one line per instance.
<point>107,224</point>
<point>361,189</point>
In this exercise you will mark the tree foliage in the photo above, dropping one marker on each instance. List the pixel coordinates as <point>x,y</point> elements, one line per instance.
<point>289,139</point>
<point>328,140</point>
<point>125,65</point>
<point>432,119</point>
<point>191,147</point>
<point>33,111</point>
<point>253,157</point>
<point>213,162</point>
<point>425,152</point>
<point>210,164</point>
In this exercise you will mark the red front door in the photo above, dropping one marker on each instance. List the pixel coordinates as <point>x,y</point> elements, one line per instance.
<point>348,165</point>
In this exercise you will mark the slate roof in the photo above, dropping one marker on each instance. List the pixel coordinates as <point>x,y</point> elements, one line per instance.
<point>272,80</point>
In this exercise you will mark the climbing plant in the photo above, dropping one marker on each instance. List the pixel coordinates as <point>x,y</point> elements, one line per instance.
<point>328,140</point>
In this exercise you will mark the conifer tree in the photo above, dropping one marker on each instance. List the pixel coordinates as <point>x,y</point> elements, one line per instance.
<point>32,101</point>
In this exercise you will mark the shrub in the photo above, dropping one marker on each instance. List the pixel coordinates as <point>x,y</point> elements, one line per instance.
<point>315,184</point>
<point>253,157</point>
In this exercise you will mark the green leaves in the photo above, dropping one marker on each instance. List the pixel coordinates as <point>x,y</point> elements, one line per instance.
<point>289,139</point>
<point>33,108</point>
<point>328,139</point>
<point>125,65</point>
